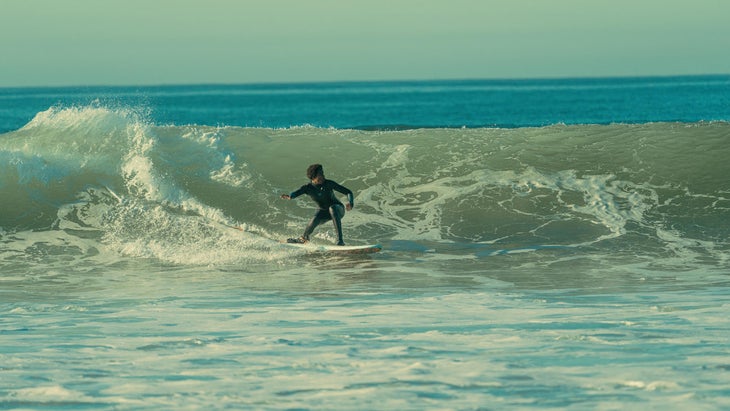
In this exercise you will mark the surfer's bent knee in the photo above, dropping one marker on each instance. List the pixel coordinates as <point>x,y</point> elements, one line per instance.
<point>337,210</point>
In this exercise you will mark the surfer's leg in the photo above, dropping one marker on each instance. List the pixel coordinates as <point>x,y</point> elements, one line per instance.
<point>318,219</point>
<point>337,212</point>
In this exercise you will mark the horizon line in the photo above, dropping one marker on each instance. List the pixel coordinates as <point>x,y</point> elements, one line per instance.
<point>384,81</point>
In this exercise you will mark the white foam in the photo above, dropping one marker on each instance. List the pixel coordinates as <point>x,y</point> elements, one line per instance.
<point>49,394</point>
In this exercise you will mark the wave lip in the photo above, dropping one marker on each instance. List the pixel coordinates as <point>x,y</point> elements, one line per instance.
<point>59,153</point>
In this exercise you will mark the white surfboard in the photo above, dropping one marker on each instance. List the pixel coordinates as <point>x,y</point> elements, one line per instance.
<point>343,249</point>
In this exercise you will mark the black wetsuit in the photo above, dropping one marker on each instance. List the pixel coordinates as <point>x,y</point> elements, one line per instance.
<point>330,208</point>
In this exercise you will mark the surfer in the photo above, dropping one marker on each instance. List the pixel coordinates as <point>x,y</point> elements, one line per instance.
<point>322,191</point>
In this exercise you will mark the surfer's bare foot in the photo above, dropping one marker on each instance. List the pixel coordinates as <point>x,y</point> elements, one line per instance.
<point>299,240</point>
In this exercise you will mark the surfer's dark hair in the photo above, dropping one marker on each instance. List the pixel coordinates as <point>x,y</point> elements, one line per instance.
<point>314,170</point>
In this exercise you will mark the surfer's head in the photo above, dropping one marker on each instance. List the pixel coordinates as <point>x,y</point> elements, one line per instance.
<point>315,170</point>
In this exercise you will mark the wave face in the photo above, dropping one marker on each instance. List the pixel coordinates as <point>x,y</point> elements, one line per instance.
<point>654,191</point>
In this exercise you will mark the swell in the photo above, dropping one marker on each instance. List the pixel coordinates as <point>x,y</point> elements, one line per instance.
<point>400,104</point>
<point>173,193</point>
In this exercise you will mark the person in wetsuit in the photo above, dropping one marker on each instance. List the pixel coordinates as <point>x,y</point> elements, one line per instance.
<point>322,191</point>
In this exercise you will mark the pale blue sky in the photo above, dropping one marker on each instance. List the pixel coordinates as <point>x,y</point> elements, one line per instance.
<point>140,42</point>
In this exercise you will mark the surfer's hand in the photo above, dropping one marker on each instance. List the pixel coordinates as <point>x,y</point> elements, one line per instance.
<point>286,196</point>
<point>348,206</point>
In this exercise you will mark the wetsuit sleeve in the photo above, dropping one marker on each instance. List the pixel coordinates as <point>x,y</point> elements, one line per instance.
<point>346,191</point>
<point>297,193</point>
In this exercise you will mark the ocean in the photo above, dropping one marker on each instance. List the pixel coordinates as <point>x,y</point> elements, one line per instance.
<point>547,244</point>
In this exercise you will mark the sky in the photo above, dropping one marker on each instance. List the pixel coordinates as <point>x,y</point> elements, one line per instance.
<point>149,42</point>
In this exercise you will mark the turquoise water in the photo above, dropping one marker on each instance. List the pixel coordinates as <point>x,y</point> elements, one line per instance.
<point>567,265</point>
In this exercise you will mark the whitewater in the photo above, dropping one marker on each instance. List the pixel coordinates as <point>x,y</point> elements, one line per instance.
<point>543,249</point>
